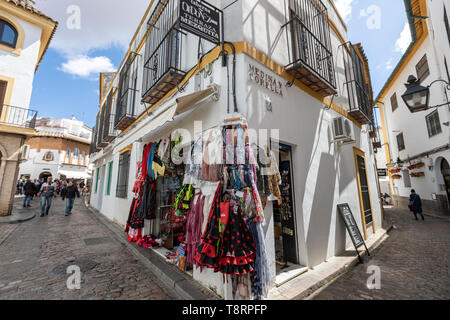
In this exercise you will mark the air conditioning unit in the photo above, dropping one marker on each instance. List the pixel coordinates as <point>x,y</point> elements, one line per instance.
<point>25,152</point>
<point>342,130</point>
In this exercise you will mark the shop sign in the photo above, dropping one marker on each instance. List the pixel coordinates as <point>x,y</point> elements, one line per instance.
<point>265,80</point>
<point>382,172</point>
<point>202,19</point>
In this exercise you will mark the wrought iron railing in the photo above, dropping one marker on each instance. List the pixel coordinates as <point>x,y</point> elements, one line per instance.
<point>360,104</point>
<point>310,40</point>
<point>163,52</point>
<point>19,117</point>
<point>108,133</point>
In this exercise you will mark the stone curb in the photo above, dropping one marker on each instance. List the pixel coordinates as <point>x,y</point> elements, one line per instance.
<point>344,269</point>
<point>167,276</point>
<point>17,218</point>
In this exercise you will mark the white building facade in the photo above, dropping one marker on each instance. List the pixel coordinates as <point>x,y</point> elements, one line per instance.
<point>60,149</point>
<point>319,124</point>
<point>417,144</point>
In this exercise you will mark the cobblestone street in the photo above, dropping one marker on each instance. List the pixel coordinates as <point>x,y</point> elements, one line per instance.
<point>414,263</point>
<point>34,257</point>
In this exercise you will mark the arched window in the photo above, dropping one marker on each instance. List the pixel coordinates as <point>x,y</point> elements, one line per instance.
<point>8,34</point>
<point>67,159</point>
<point>76,155</point>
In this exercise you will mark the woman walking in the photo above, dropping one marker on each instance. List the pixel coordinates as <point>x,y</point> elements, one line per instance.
<point>415,204</point>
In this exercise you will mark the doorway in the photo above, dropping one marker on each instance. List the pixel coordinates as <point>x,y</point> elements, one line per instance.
<point>44,176</point>
<point>445,170</point>
<point>285,222</point>
<point>364,191</point>
<point>102,183</point>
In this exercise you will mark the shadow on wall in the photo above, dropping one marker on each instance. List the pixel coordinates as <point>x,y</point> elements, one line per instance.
<point>321,211</point>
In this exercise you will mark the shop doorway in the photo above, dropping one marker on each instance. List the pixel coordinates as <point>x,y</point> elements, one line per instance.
<point>44,175</point>
<point>285,222</point>
<point>364,191</point>
<point>445,170</point>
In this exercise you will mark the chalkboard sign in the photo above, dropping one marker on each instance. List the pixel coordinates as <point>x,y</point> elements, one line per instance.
<point>352,227</point>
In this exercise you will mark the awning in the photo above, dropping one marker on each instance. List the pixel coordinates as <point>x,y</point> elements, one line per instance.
<point>69,174</point>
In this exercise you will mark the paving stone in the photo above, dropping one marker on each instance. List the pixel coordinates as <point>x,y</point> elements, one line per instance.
<point>414,263</point>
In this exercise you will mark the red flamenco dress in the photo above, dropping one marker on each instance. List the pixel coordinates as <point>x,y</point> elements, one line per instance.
<point>237,253</point>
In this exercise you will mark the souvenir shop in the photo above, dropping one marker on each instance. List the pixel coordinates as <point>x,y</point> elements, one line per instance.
<point>201,204</point>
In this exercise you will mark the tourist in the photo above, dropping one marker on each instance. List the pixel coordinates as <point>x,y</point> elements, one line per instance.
<point>47,192</point>
<point>69,193</point>
<point>415,204</point>
<point>29,189</point>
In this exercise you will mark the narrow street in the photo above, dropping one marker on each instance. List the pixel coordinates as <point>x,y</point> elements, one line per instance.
<point>35,256</point>
<point>414,263</point>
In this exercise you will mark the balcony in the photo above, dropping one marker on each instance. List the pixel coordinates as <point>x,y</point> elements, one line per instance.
<point>310,52</point>
<point>163,53</point>
<point>108,134</point>
<point>18,117</point>
<point>358,86</point>
<point>126,96</point>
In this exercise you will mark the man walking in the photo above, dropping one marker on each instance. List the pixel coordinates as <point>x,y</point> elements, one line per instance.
<point>415,204</point>
<point>47,192</point>
<point>69,193</point>
<point>29,189</point>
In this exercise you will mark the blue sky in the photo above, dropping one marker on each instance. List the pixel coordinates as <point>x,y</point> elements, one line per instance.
<point>66,83</point>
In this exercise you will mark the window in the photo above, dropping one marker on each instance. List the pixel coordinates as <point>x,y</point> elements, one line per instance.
<point>76,155</point>
<point>48,156</point>
<point>422,68</point>
<point>400,142</point>
<point>433,124</point>
<point>3,87</point>
<point>108,183</point>
<point>406,178</point>
<point>83,158</point>
<point>67,159</point>
<point>122,180</point>
<point>96,180</point>
<point>8,34</point>
<point>394,102</point>
<point>447,26</point>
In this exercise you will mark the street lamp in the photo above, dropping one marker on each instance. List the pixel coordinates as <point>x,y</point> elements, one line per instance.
<point>417,97</point>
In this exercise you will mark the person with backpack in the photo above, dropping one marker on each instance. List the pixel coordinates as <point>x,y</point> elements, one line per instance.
<point>69,193</point>
<point>47,192</point>
<point>415,204</point>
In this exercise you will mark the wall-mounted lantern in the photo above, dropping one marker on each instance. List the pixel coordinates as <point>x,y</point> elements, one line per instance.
<point>417,97</point>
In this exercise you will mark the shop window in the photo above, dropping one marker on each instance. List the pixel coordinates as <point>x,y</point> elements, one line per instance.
<point>422,68</point>
<point>108,183</point>
<point>394,102</point>
<point>400,142</point>
<point>433,124</point>
<point>8,34</point>
<point>122,179</point>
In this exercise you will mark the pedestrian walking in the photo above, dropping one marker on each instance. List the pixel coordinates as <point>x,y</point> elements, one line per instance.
<point>20,187</point>
<point>29,189</point>
<point>69,193</point>
<point>415,204</point>
<point>47,193</point>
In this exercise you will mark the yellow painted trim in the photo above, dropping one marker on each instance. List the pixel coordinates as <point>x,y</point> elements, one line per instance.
<point>386,145</point>
<point>20,34</point>
<point>359,152</point>
<point>48,26</point>
<point>338,34</point>
<point>8,96</point>
<point>338,14</point>
<point>102,79</point>
<point>411,53</point>
<point>129,148</point>
<point>5,128</point>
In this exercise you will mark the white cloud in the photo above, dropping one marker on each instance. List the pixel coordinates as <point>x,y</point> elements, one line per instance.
<point>403,42</point>
<point>389,64</point>
<point>86,67</point>
<point>345,9</point>
<point>103,23</point>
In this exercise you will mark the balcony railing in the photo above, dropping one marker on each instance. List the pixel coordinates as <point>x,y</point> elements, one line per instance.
<point>360,104</point>
<point>310,52</point>
<point>18,117</point>
<point>108,134</point>
<point>126,96</point>
<point>163,69</point>
<point>92,146</point>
